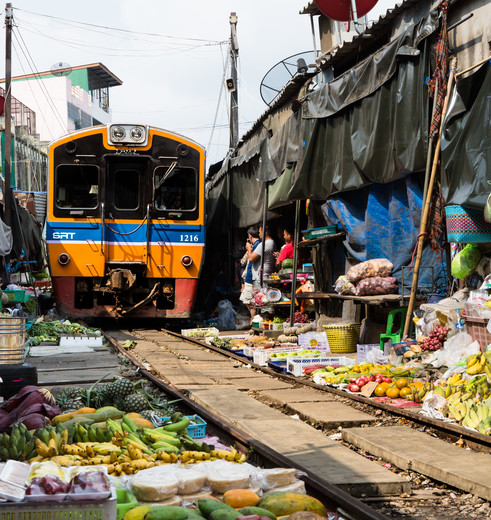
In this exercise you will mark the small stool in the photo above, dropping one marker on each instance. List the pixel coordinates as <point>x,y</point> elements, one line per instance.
<point>395,336</point>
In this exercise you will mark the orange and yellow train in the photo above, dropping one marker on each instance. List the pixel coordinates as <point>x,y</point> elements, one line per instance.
<point>125,227</point>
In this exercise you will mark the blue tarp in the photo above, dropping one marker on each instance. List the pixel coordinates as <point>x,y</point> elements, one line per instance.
<point>382,221</point>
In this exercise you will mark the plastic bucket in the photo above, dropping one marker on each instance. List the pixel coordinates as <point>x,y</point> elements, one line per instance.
<point>12,339</point>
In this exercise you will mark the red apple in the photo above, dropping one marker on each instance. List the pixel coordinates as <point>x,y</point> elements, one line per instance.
<point>353,388</point>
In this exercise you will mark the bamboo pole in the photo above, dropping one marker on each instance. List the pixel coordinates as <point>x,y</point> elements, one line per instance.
<point>427,198</point>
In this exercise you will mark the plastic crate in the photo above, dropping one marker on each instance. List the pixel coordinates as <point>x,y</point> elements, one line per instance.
<point>66,510</point>
<point>476,328</point>
<point>126,502</point>
<point>195,431</point>
<point>277,366</point>
<point>17,296</point>
<point>262,356</point>
<point>295,366</point>
<point>207,332</point>
<point>320,232</point>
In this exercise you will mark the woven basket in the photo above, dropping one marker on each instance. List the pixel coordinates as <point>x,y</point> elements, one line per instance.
<point>343,337</point>
<point>467,225</point>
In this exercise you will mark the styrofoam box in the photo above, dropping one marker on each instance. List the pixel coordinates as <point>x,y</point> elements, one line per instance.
<point>261,357</point>
<point>80,341</point>
<point>295,366</point>
<point>314,340</point>
<point>363,350</point>
<point>206,332</point>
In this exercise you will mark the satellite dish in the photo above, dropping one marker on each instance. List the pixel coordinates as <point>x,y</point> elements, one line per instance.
<point>279,75</point>
<point>60,69</point>
<point>342,11</point>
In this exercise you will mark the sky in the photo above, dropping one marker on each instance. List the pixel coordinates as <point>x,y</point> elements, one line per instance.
<point>172,57</point>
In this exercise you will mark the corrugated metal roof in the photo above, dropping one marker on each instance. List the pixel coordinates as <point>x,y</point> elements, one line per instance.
<point>339,57</point>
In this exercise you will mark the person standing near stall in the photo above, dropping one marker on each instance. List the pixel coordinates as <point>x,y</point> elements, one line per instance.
<point>252,269</point>
<point>286,250</point>
<point>270,249</point>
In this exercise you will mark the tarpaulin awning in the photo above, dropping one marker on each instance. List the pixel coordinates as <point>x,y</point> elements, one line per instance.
<point>466,142</point>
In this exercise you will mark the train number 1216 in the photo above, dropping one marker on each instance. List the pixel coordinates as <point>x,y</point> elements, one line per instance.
<point>189,238</point>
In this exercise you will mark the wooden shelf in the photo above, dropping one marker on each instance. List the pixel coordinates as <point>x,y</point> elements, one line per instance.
<point>382,299</point>
<point>315,241</point>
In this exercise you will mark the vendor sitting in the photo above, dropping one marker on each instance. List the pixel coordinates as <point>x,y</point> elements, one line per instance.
<point>287,250</point>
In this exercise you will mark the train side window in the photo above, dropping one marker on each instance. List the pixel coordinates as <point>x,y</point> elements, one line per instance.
<point>77,186</point>
<point>175,188</point>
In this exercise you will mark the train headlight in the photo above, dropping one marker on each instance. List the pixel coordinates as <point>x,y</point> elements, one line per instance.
<point>136,133</point>
<point>127,135</point>
<point>63,258</point>
<point>186,261</point>
<point>118,133</point>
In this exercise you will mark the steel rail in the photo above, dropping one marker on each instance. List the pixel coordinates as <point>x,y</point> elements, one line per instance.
<point>331,495</point>
<point>474,439</point>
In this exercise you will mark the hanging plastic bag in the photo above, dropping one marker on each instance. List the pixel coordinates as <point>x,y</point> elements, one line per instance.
<point>226,316</point>
<point>465,262</point>
<point>344,286</point>
<point>487,209</point>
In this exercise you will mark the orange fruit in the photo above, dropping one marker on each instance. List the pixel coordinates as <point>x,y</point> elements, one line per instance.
<point>406,392</point>
<point>392,392</point>
<point>417,384</point>
<point>380,390</point>
<point>401,383</point>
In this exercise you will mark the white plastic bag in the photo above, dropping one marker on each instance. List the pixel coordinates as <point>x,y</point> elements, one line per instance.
<point>455,349</point>
<point>376,356</point>
<point>226,315</point>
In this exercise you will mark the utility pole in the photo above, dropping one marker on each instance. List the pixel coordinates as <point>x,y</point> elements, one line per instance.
<point>7,197</point>
<point>232,83</point>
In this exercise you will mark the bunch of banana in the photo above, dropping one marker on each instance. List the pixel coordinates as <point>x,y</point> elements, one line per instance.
<point>19,445</point>
<point>418,396</point>
<point>459,409</point>
<point>49,442</point>
<point>476,364</point>
<point>83,433</point>
<point>455,380</point>
<point>233,455</point>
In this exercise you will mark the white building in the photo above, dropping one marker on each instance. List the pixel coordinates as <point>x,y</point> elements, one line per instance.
<point>66,99</point>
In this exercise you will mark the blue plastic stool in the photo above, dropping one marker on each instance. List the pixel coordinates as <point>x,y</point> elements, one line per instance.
<point>395,336</point>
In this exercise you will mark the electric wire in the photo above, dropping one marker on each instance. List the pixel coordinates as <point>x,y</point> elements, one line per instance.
<point>219,98</point>
<point>31,64</point>
<point>117,29</point>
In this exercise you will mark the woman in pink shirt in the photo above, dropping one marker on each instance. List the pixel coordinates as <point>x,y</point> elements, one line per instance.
<point>287,250</point>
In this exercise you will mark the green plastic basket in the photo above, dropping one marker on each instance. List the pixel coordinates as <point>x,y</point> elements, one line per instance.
<point>126,502</point>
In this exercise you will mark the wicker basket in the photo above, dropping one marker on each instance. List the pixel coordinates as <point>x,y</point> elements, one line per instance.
<point>343,337</point>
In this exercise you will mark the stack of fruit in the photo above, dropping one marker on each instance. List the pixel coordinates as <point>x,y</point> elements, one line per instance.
<point>121,393</point>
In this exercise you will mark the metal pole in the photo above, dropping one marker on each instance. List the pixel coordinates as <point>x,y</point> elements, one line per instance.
<point>296,237</point>
<point>7,197</point>
<point>234,94</point>
<point>265,219</point>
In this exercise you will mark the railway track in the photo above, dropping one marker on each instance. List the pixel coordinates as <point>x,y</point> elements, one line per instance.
<point>420,502</point>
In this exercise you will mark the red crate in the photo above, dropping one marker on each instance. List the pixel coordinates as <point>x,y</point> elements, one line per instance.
<point>476,328</point>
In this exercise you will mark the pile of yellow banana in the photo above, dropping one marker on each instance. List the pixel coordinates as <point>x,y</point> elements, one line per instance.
<point>129,449</point>
<point>479,364</point>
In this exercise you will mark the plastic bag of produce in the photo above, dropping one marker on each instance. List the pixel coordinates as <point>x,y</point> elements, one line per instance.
<point>465,262</point>
<point>226,315</point>
<point>377,285</point>
<point>344,286</point>
<point>369,269</point>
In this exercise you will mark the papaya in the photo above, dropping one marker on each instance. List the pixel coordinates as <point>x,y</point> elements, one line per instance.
<point>141,423</point>
<point>251,510</point>
<point>238,498</point>
<point>285,503</point>
<point>225,514</point>
<point>209,505</point>
<point>133,415</point>
<point>137,513</point>
<point>167,513</point>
